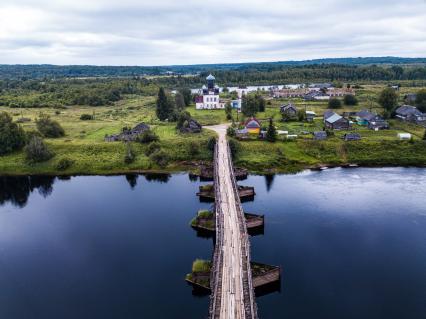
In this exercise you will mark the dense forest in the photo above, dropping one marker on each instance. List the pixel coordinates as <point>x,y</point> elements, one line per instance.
<point>52,91</point>
<point>82,71</point>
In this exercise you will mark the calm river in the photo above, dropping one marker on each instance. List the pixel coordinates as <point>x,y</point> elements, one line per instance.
<point>351,244</point>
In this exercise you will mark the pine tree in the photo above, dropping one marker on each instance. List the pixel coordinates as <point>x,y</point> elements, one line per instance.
<point>228,111</point>
<point>271,133</point>
<point>249,106</point>
<point>180,101</point>
<point>424,136</point>
<point>163,105</point>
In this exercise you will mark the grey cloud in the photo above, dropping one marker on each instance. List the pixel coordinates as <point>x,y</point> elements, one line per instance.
<point>172,32</point>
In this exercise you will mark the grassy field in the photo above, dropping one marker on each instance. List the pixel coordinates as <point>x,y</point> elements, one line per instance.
<point>84,141</point>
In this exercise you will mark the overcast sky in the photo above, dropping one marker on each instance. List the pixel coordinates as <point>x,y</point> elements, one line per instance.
<point>162,32</point>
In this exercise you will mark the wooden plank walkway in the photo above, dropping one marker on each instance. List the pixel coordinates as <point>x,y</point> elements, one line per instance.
<point>231,278</point>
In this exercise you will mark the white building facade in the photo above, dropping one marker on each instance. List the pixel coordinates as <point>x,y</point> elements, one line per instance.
<point>209,96</point>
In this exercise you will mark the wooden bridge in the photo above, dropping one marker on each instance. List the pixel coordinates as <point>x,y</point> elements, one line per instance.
<point>232,292</point>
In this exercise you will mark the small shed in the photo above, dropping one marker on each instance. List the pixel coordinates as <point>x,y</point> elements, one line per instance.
<point>352,137</point>
<point>243,133</point>
<point>310,115</point>
<point>320,136</point>
<point>404,136</point>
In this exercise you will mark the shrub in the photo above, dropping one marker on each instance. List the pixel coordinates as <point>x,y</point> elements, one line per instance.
<point>211,143</point>
<point>350,99</point>
<point>160,157</point>
<point>48,127</point>
<point>30,134</point>
<point>147,137</point>
<point>200,265</point>
<point>152,148</point>
<point>86,117</point>
<point>334,103</point>
<point>421,100</point>
<point>301,115</point>
<point>64,164</point>
<point>234,147</point>
<point>182,117</point>
<point>193,148</point>
<point>230,131</point>
<point>12,136</point>
<point>129,157</point>
<point>37,151</point>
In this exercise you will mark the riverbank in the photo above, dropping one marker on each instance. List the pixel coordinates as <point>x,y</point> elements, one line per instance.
<point>259,157</point>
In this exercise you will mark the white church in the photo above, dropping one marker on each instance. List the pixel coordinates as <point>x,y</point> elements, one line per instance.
<point>209,96</point>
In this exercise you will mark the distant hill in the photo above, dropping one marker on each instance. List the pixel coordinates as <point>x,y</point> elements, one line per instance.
<point>75,71</point>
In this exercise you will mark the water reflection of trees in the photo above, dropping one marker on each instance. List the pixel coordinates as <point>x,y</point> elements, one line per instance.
<point>132,179</point>
<point>269,180</point>
<point>157,177</point>
<point>16,190</point>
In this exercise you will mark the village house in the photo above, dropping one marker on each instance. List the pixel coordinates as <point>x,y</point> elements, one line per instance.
<point>289,93</point>
<point>320,136</point>
<point>316,96</point>
<point>128,135</point>
<point>371,120</point>
<point>310,116</point>
<point>352,137</point>
<point>411,114</point>
<point>334,121</point>
<point>209,96</point>
<point>289,110</point>
<point>320,86</point>
<point>253,126</point>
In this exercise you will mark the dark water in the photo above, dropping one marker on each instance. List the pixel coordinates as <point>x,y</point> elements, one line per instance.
<point>352,244</point>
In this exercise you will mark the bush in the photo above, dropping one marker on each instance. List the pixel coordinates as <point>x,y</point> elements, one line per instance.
<point>12,136</point>
<point>86,117</point>
<point>37,151</point>
<point>160,157</point>
<point>334,103</point>
<point>301,116</point>
<point>64,164</point>
<point>129,157</point>
<point>234,147</point>
<point>230,131</point>
<point>350,99</point>
<point>193,148</point>
<point>147,137</point>
<point>182,117</point>
<point>48,127</point>
<point>152,148</point>
<point>211,143</point>
<point>421,100</point>
<point>30,134</point>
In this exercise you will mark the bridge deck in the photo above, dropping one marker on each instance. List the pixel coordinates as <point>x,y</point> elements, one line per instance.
<point>232,289</point>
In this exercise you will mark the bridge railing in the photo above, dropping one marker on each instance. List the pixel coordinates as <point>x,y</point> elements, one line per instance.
<point>216,273</point>
<point>249,297</point>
